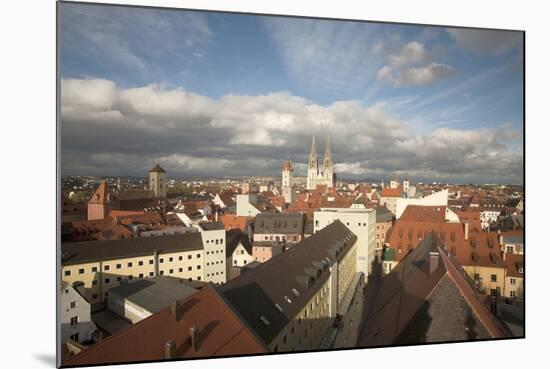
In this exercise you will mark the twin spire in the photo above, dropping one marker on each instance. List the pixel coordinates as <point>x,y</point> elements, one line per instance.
<point>313,163</point>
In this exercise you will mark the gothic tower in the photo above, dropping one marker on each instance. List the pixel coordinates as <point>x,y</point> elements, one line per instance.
<point>313,168</point>
<point>287,179</point>
<point>101,202</point>
<point>327,167</point>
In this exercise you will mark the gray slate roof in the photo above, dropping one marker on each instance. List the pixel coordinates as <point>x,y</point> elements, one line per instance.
<point>212,226</point>
<point>270,223</point>
<point>90,251</point>
<point>233,237</point>
<point>255,292</point>
<point>154,294</point>
<point>383,214</point>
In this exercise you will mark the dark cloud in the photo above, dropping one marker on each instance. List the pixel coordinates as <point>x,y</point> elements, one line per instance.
<point>486,42</point>
<point>107,130</point>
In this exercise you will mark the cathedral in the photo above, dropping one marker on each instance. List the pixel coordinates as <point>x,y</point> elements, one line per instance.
<point>320,176</point>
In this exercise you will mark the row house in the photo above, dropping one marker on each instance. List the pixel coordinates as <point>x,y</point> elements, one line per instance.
<point>296,295</point>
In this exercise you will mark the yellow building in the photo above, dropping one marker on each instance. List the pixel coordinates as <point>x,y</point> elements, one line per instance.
<point>102,265</point>
<point>296,294</point>
<point>513,287</point>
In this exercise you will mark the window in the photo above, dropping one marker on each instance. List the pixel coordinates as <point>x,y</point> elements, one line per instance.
<point>130,265</point>
<point>190,268</point>
<point>140,275</point>
<point>94,283</point>
<point>151,261</point>
<point>151,274</point>
<point>170,259</point>
<point>107,280</point>
<point>67,273</point>
<point>118,266</point>
<point>198,256</point>
<point>118,279</point>
<point>235,262</point>
<point>81,271</point>
<point>493,292</point>
<point>180,258</point>
<point>512,281</point>
<point>512,294</point>
<point>94,296</point>
<point>189,257</point>
<point>140,263</point>
<point>493,277</point>
<point>284,338</point>
<point>94,269</point>
<point>74,337</point>
<point>161,272</point>
<point>161,260</point>
<point>73,304</point>
<point>198,278</point>
<point>171,271</point>
<point>198,266</point>
<point>130,277</point>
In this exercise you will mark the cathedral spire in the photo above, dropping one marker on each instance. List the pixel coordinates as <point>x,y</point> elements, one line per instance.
<point>313,155</point>
<point>328,154</point>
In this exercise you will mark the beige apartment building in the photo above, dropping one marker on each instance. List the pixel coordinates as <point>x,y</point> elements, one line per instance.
<point>293,311</point>
<point>102,265</point>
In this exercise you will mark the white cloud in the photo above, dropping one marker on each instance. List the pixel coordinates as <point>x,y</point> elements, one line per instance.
<point>411,66</point>
<point>238,134</point>
<point>487,42</point>
<point>411,53</point>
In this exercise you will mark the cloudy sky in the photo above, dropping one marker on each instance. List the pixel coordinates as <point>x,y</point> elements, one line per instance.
<point>226,94</point>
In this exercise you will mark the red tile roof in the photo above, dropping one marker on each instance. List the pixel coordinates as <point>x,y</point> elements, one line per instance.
<point>231,221</point>
<point>424,213</point>
<point>220,332</point>
<point>513,263</point>
<point>391,192</point>
<point>470,216</point>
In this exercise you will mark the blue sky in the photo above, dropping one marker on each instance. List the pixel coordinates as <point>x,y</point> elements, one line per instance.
<point>410,84</point>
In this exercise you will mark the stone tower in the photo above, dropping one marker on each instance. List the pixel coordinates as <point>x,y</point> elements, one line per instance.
<point>313,168</point>
<point>287,178</point>
<point>157,181</point>
<point>287,182</point>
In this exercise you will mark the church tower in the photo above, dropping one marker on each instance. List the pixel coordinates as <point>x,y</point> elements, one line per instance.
<point>313,168</point>
<point>157,181</point>
<point>287,182</point>
<point>327,167</point>
<point>287,179</point>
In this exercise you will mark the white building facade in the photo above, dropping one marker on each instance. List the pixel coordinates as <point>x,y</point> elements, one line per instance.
<point>440,198</point>
<point>75,314</point>
<point>362,222</point>
<point>214,241</point>
<point>245,205</point>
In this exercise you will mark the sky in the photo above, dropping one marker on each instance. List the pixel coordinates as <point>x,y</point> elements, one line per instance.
<point>219,94</point>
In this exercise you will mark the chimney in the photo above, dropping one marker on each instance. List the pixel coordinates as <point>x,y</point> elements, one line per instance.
<point>169,349</point>
<point>434,261</point>
<point>175,310</point>
<point>193,332</point>
<point>466,231</point>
